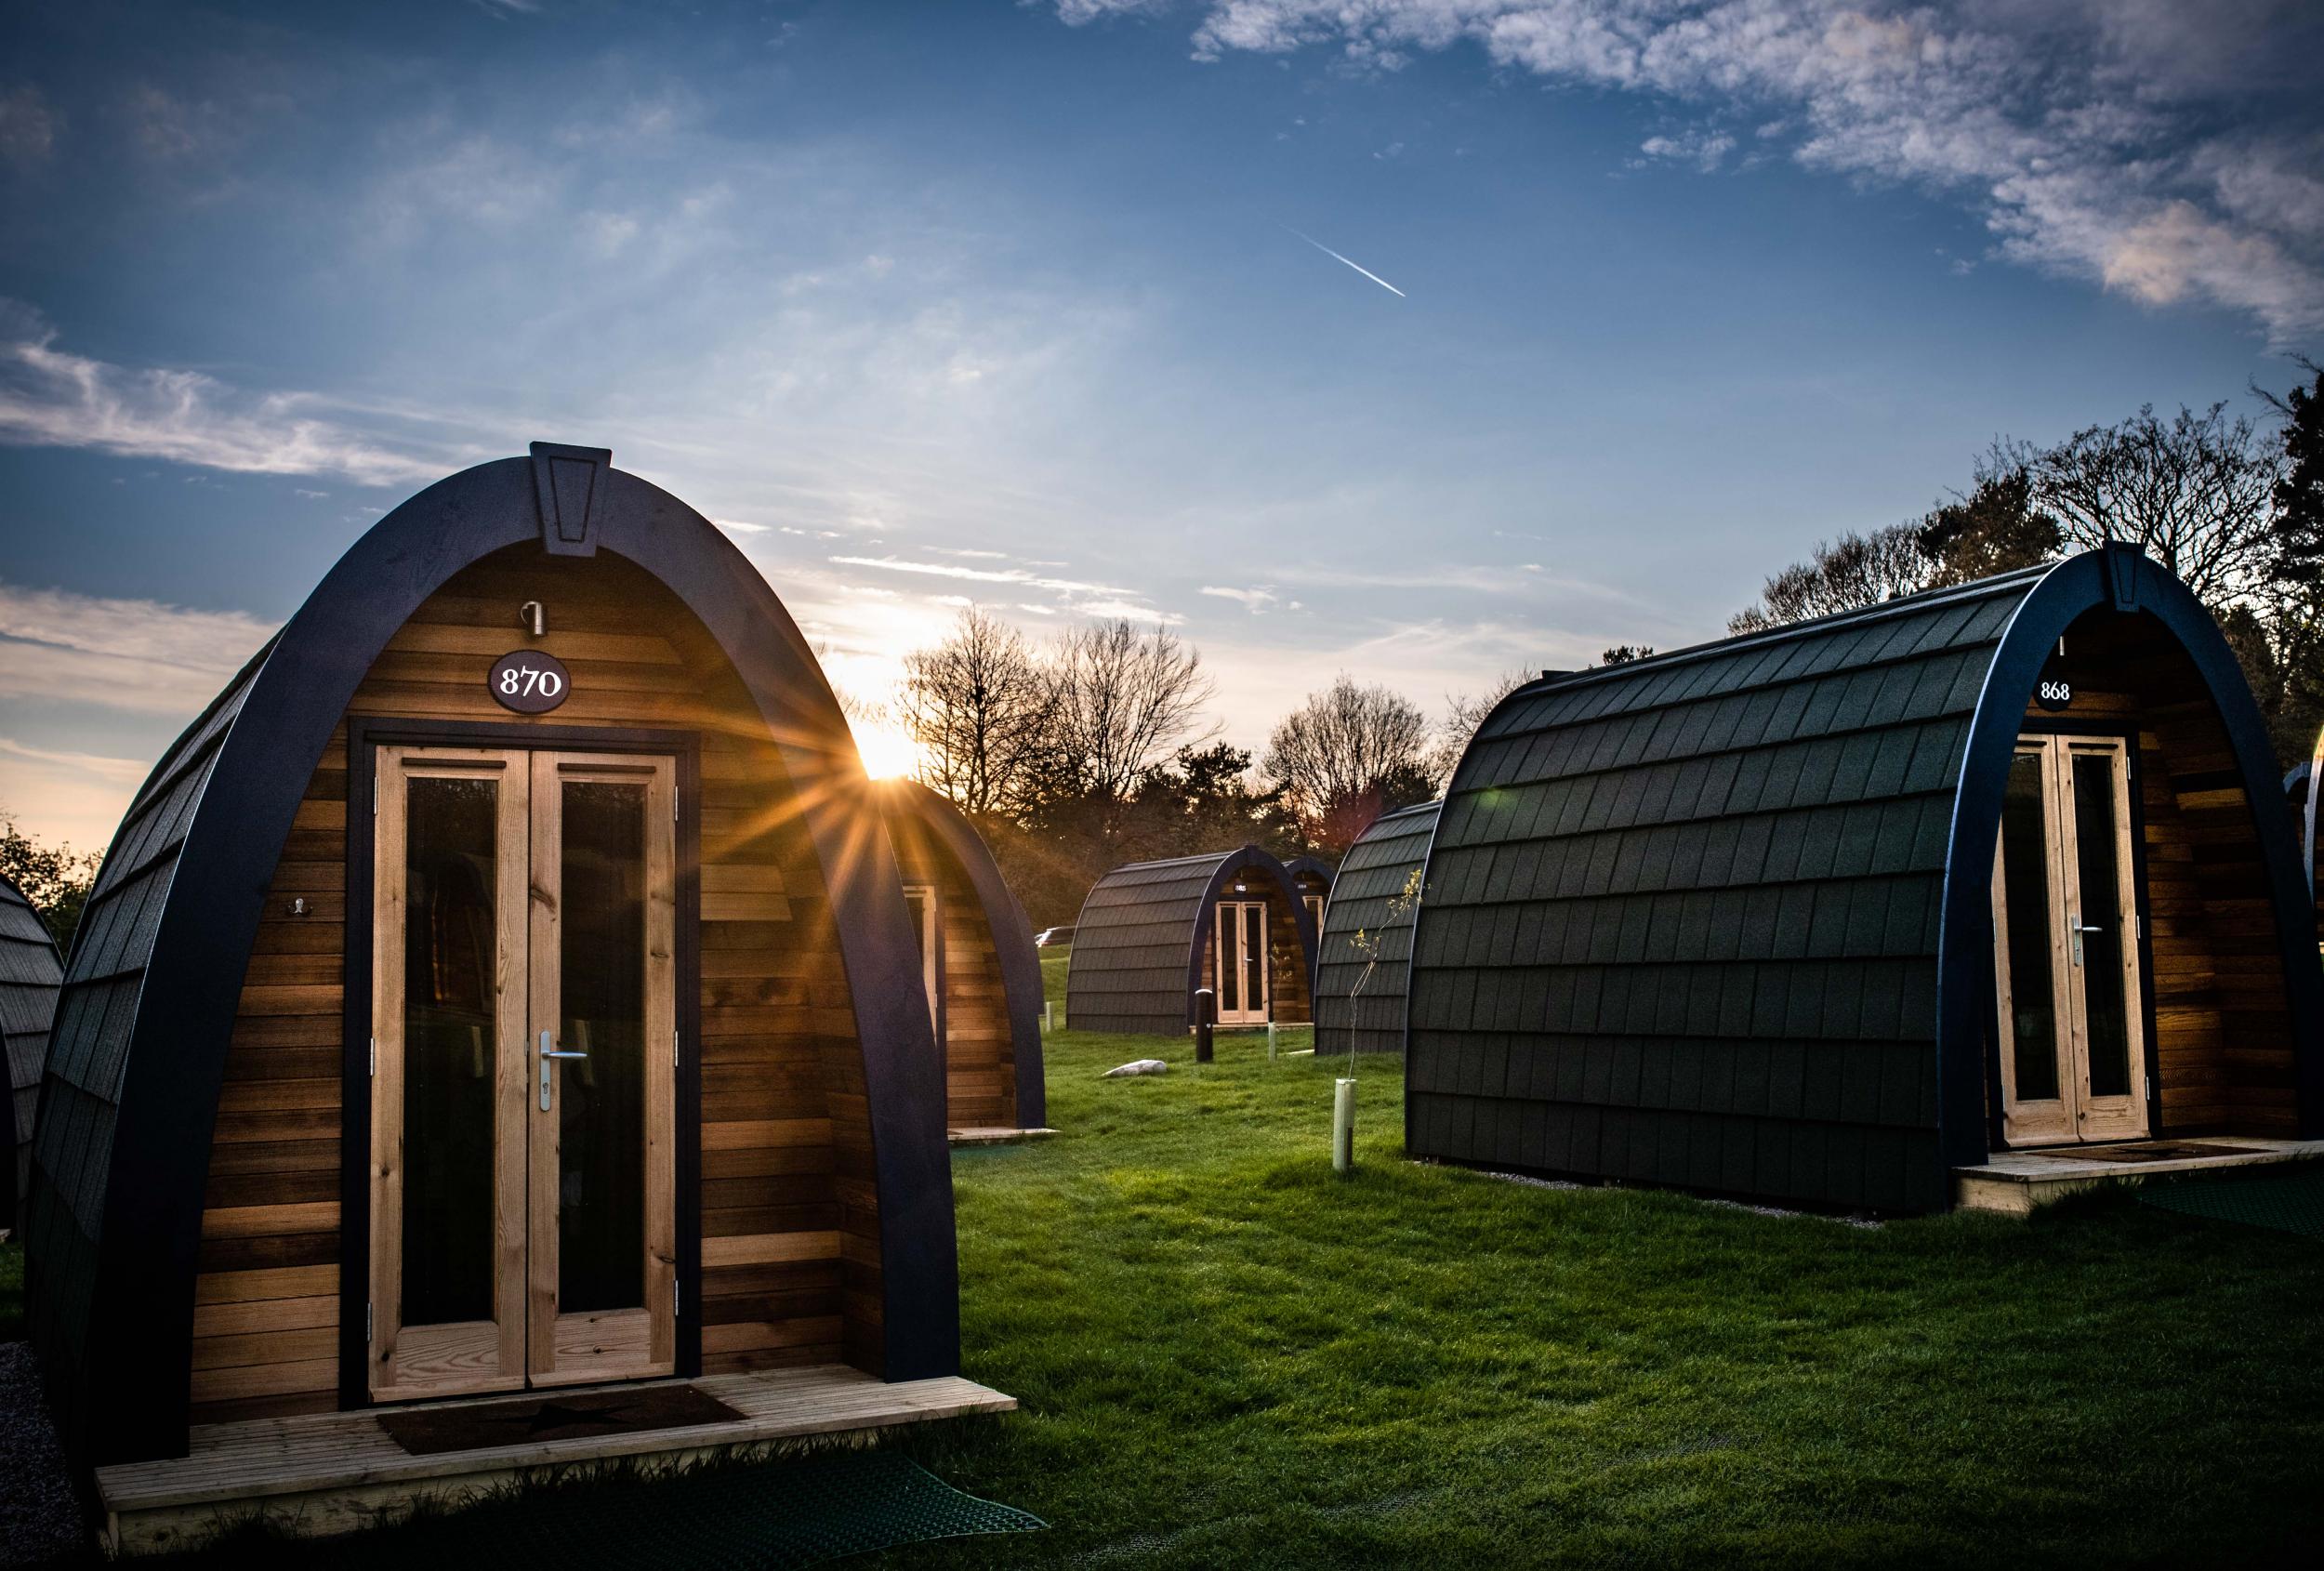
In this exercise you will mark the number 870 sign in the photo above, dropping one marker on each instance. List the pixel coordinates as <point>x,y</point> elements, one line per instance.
<point>529,681</point>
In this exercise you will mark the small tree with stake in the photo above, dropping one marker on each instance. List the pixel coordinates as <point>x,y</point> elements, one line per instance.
<point>1367,943</point>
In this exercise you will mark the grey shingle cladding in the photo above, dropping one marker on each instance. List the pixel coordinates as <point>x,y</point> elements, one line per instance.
<point>29,979</point>
<point>1371,877</point>
<point>1128,971</point>
<point>1682,916</point>
<point>89,1044</point>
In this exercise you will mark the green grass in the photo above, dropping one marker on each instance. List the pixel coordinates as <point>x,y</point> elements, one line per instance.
<point>1226,1357</point>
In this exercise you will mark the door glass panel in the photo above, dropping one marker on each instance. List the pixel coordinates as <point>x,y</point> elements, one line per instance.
<point>1254,955</point>
<point>2025,895</point>
<point>2099,870</point>
<point>450,1049</point>
<point>601,1101</point>
<point>1230,966</point>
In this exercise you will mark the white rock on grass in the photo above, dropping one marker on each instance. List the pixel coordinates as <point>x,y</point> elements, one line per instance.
<point>1140,1067</point>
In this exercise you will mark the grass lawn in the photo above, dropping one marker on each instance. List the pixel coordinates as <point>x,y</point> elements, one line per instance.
<point>1228,1357</point>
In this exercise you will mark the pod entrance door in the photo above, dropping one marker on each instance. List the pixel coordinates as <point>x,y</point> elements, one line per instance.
<point>2066,945</point>
<point>522,1130</point>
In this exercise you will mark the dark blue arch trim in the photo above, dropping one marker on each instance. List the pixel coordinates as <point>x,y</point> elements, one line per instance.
<point>1207,910</point>
<point>150,1240</point>
<point>1013,940</point>
<point>2118,578</point>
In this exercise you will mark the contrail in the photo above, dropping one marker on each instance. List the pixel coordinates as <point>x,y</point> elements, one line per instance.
<point>1359,267</point>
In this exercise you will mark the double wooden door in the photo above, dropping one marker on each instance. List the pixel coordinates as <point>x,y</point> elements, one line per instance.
<point>522,1070</point>
<point>2066,945</point>
<point>1240,933</point>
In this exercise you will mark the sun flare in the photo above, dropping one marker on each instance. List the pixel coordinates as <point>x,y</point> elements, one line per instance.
<point>888,754</point>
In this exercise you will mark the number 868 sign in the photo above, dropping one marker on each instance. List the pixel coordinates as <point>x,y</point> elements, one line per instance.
<point>529,681</point>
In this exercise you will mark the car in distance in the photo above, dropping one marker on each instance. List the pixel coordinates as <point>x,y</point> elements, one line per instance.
<point>1054,938</point>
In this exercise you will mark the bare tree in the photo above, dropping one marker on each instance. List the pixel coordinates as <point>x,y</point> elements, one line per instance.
<point>1347,755</point>
<point>983,710</point>
<point>1845,575</point>
<point>2193,492</point>
<point>1463,715</point>
<point>1125,700</point>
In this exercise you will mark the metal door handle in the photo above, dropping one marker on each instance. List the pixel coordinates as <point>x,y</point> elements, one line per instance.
<point>549,1050</point>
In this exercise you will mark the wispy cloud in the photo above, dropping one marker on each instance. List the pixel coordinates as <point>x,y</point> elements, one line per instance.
<point>2142,145</point>
<point>52,398</point>
<point>139,655</point>
<point>1253,601</point>
<point>1704,150</point>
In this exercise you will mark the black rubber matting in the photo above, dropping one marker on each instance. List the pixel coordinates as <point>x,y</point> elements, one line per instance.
<point>2288,1200</point>
<point>781,1516</point>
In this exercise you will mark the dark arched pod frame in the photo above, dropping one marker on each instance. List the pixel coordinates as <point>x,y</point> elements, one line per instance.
<point>1012,938</point>
<point>1207,914</point>
<point>136,1387</point>
<point>2124,579</point>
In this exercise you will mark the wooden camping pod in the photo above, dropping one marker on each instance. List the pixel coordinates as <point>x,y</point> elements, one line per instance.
<point>979,966</point>
<point>30,976</point>
<point>1726,918</point>
<point>204,1226</point>
<point>1147,940</point>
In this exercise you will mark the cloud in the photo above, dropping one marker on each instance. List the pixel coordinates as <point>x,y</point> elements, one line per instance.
<point>980,575</point>
<point>2133,144</point>
<point>28,127</point>
<point>1704,150</point>
<point>139,656</point>
<point>1253,601</point>
<point>50,398</point>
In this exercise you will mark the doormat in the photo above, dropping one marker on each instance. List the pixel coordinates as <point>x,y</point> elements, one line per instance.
<point>429,1431</point>
<point>781,1517</point>
<point>2154,1151</point>
<point>2288,1201</point>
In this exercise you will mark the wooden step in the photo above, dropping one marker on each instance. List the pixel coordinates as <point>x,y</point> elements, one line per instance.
<point>336,1472</point>
<point>2016,1182</point>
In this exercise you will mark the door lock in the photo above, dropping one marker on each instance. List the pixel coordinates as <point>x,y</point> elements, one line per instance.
<point>551,1051</point>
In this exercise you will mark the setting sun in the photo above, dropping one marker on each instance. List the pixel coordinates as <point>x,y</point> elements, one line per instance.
<point>887,753</point>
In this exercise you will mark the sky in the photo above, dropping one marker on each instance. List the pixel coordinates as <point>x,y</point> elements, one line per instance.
<point>1420,339</point>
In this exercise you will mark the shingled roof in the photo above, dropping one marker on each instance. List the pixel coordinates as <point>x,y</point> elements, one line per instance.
<point>97,1013</point>
<point>28,978</point>
<point>1136,947</point>
<point>1368,899</point>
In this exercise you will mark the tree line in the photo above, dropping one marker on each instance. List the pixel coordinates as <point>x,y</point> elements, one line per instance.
<point>2232,506</point>
<point>1094,748</point>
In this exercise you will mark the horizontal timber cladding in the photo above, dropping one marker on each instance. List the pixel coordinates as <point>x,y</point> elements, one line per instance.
<point>191,1246</point>
<point>1364,953</point>
<point>1143,943</point>
<point>989,974</point>
<point>1695,920</point>
<point>30,975</point>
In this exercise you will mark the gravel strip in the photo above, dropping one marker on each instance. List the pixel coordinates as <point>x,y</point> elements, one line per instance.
<point>39,1521</point>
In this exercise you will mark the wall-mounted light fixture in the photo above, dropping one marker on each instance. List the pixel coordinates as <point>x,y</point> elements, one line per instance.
<point>298,905</point>
<point>1238,887</point>
<point>531,614</point>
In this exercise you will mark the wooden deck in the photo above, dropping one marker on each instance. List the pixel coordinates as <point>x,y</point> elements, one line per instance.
<point>335,1472</point>
<point>2014,1183</point>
